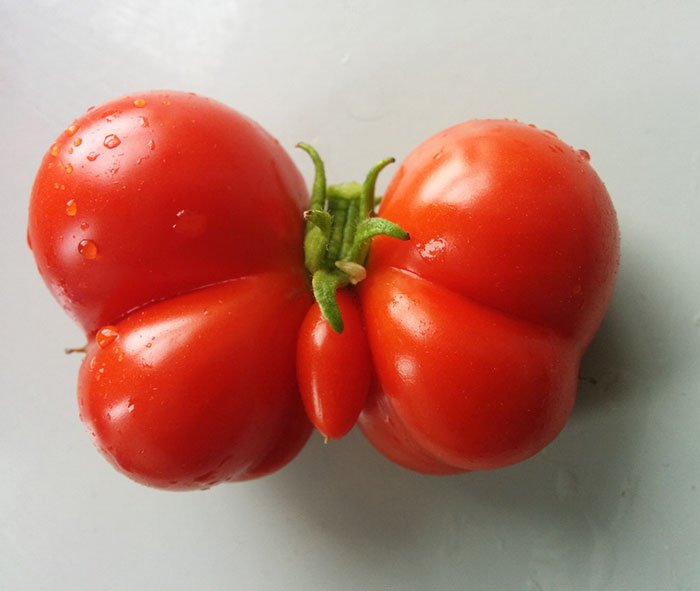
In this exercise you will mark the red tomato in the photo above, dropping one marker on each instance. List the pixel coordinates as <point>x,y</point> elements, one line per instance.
<point>477,325</point>
<point>175,223</point>
<point>334,368</point>
<point>170,228</point>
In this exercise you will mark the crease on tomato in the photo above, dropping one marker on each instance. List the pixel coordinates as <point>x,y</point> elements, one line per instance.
<point>475,388</point>
<point>178,399</point>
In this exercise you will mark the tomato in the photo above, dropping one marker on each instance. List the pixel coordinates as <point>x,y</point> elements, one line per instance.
<point>477,325</point>
<point>172,229</point>
<point>157,194</point>
<point>334,369</point>
<point>169,226</point>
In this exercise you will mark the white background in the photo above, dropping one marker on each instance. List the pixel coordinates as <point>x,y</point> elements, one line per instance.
<point>612,504</point>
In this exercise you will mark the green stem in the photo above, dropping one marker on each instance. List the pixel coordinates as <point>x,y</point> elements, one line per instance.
<point>338,208</point>
<point>340,224</point>
<point>350,228</point>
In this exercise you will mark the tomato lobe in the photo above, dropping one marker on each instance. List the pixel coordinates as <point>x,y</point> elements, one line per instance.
<point>477,325</point>
<point>333,368</point>
<point>170,227</point>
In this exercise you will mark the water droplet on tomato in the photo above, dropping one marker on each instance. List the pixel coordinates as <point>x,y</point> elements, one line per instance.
<point>438,154</point>
<point>70,150</point>
<point>151,145</point>
<point>77,141</point>
<point>143,121</point>
<point>84,226</point>
<point>549,132</point>
<point>190,223</point>
<point>139,102</point>
<point>584,154</point>
<point>149,345</point>
<point>71,207</point>
<point>72,129</point>
<point>111,141</point>
<point>130,407</point>
<point>54,150</point>
<point>92,362</point>
<point>88,249</point>
<point>68,168</point>
<point>106,336</point>
<point>109,115</point>
<point>92,156</point>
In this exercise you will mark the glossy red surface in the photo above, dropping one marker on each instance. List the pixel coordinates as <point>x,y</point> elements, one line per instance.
<point>184,396</point>
<point>478,323</point>
<point>170,227</point>
<point>334,370</point>
<point>160,199</point>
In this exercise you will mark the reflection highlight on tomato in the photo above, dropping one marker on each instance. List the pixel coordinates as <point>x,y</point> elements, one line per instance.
<point>227,311</point>
<point>172,232</point>
<point>510,269</point>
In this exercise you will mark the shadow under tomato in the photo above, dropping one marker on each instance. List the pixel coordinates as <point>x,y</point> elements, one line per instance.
<point>631,345</point>
<point>557,514</point>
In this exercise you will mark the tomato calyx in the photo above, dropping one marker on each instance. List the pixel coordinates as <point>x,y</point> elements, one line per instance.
<point>340,224</point>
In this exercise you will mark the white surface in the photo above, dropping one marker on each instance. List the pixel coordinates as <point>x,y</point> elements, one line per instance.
<point>612,504</point>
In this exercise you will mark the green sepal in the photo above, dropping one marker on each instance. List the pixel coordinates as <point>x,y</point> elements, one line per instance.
<point>321,219</point>
<point>367,198</point>
<point>315,246</point>
<point>368,229</point>
<point>339,228</point>
<point>318,191</point>
<point>324,285</point>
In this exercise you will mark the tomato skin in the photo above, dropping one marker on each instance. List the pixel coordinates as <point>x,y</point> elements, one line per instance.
<point>170,227</point>
<point>509,216</point>
<point>387,432</point>
<point>478,323</point>
<point>175,203</point>
<point>474,388</point>
<point>333,369</point>
<point>179,399</point>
